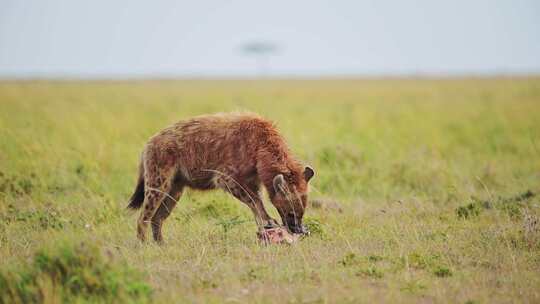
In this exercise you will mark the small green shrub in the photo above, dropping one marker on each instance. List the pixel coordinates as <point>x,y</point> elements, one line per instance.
<point>47,218</point>
<point>254,273</point>
<point>315,227</point>
<point>442,272</point>
<point>204,284</point>
<point>17,185</point>
<point>468,211</point>
<point>513,206</point>
<point>228,224</point>
<point>370,271</point>
<point>72,274</point>
<point>349,259</point>
<point>419,261</point>
<point>375,258</point>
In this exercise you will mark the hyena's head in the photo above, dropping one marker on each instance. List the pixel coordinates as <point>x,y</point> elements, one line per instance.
<point>290,197</point>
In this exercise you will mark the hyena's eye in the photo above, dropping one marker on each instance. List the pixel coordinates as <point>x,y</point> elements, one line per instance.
<point>289,179</point>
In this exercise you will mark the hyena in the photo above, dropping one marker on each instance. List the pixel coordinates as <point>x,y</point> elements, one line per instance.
<point>235,152</point>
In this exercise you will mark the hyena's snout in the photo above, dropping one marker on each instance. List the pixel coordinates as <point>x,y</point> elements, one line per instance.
<point>294,224</point>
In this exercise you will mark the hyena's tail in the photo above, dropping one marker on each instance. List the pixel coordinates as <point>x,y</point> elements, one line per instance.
<point>137,198</point>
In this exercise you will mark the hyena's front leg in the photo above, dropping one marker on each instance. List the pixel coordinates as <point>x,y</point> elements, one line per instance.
<point>249,195</point>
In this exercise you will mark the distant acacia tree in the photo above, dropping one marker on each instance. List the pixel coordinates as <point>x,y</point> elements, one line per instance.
<point>261,50</point>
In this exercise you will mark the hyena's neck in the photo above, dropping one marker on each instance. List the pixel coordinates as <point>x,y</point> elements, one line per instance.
<point>272,155</point>
<point>271,163</point>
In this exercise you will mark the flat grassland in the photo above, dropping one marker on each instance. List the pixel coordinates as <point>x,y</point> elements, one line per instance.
<point>437,181</point>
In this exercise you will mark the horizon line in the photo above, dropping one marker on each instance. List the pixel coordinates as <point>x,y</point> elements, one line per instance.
<point>277,76</point>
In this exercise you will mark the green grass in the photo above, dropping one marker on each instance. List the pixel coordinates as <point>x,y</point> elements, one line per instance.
<point>438,180</point>
<point>73,274</point>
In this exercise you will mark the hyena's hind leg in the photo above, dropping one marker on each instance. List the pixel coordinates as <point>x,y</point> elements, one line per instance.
<point>156,188</point>
<point>165,209</point>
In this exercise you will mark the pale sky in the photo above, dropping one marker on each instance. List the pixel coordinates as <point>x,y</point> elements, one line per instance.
<point>120,38</point>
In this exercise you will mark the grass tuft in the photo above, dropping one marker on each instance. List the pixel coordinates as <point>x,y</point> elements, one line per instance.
<point>69,274</point>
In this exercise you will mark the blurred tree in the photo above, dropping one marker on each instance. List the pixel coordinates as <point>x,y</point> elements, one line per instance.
<point>261,50</point>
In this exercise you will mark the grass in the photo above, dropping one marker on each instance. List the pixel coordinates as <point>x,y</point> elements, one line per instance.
<point>72,274</point>
<point>438,183</point>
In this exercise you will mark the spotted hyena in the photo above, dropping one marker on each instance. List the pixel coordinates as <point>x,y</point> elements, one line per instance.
<point>235,152</point>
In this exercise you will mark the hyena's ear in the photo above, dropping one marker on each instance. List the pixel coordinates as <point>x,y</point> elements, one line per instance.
<point>279,183</point>
<point>308,173</point>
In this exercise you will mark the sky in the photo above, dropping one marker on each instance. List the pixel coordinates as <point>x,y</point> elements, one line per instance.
<point>124,39</point>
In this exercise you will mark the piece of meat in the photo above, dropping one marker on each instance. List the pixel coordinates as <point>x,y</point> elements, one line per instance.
<point>277,235</point>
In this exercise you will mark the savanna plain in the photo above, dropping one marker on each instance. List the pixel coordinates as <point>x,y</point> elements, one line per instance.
<point>426,190</point>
